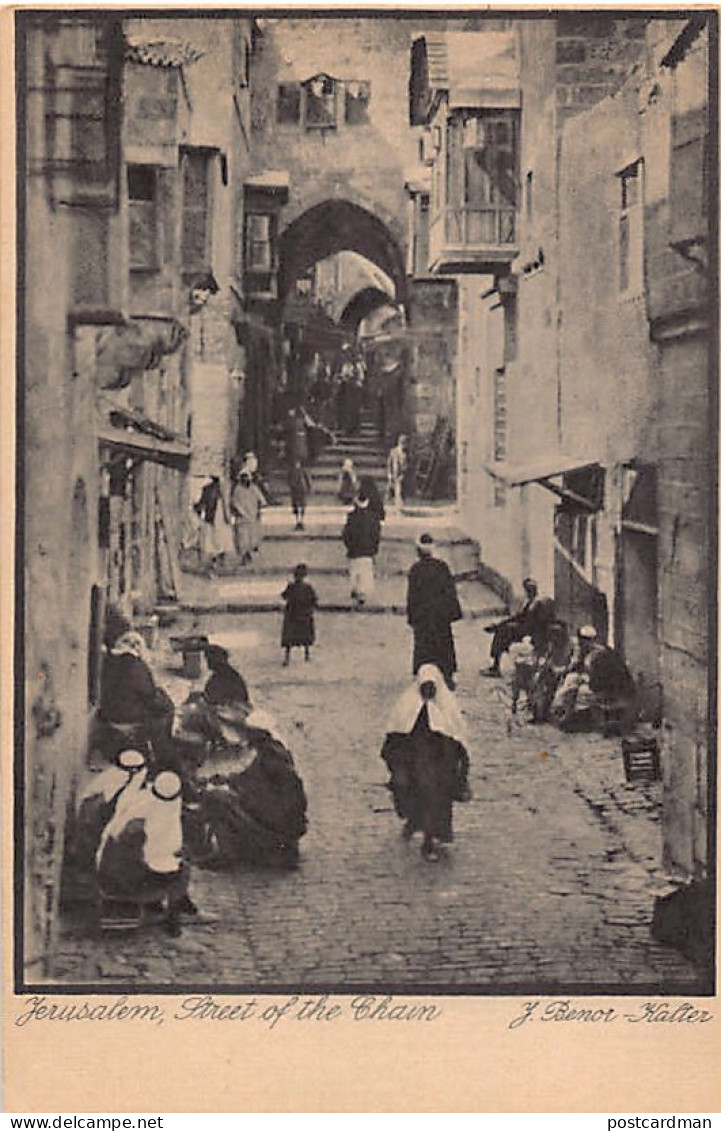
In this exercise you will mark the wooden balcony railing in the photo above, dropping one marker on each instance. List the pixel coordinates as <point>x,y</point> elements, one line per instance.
<point>474,227</point>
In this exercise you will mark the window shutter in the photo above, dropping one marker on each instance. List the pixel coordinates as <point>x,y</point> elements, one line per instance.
<point>196,214</point>
<point>143,217</point>
<point>288,107</point>
<point>357,97</point>
<point>689,179</point>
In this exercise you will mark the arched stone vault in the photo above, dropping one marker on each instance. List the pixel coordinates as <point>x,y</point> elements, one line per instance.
<point>339,225</point>
<point>362,304</point>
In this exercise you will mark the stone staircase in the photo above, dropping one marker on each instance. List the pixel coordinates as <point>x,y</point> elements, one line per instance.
<point>366,451</point>
<point>257,588</point>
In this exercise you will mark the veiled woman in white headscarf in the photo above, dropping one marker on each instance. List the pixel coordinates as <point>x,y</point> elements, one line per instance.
<point>98,799</point>
<point>425,751</point>
<point>140,859</point>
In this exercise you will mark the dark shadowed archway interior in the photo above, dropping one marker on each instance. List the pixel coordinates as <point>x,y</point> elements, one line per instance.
<point>363,303</point>
<point>338,225</point>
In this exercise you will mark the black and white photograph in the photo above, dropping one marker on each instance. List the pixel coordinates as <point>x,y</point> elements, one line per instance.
<point>366,502</point>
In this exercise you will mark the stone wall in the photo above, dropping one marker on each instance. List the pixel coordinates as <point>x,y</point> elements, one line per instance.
<point>606,359</point>
<point>59,509</point>
<point>360,163</point>
<point>679,316</point>
<point>567,65</point>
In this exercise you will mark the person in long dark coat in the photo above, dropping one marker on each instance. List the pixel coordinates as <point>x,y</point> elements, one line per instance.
<point>432,607</point>
<point>369,488</point>
<point>300,485</point>
<point>361,537</point>
<point>298,621</point>
<point>534,619</point>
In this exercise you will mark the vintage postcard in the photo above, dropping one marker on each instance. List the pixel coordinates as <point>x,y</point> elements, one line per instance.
<point>360,452</point>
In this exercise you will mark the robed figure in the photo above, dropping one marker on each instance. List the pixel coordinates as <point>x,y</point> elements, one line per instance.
<point>425,750</point>
<point>432,607</point>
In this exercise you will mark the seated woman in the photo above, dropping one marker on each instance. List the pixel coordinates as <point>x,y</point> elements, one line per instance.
<point>135,708</point>
<point>96,802</point>
<point>140,859</point>
<point>251,803</point>
<point>226,684</point>
<point>425,751</point>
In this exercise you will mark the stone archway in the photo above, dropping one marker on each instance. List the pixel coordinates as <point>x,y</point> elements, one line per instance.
<point>362,304</point>
<point>333,226</point>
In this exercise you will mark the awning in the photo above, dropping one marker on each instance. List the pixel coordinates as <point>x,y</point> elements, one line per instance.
<point>475,69</point>
<point>140,445</point>
<point>542,471</point>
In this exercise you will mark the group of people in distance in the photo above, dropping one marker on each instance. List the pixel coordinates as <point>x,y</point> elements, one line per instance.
<point>229,522</point>
<point>576,685</point>
<point>349,483</point>
<point>211,782</point>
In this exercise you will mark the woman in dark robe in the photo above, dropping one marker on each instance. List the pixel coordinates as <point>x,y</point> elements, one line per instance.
<point>298,620</point>
<point>254,803</point>
<point>250,805</point>
<point>225,683</point>
<point>137,711</point>
<point>425,751</point>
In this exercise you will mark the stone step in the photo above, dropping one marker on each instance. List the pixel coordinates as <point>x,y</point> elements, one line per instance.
<point>332,465</point>
<point>323,497</point>
<point>278,555</point>
<point>331,460</point>
<point>362,442</point>
<point>263,594</point>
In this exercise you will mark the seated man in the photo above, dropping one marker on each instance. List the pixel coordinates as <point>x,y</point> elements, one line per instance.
<point>533,619</point>
<point>596,680</point>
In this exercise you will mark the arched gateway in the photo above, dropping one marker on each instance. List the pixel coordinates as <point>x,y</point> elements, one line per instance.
<point>333,226</point>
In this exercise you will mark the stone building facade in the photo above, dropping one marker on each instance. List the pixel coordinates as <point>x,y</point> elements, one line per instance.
<point>680,256</point>
<point>330,110</point>
<point>583,377</point>
<point>65,202</point>
<point>134,180</point>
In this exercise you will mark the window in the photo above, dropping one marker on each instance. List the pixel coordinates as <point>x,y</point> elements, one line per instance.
<point>196,233</point>
<point>143,217</point>
<point>357,97</point>
<point>244,76</point>
<point>258,242</point>
<point>288,107</point>
<point>529,196</point>
<point>510,327</point>
<point>481,177</point>
<point>630,230</point>
<point>320,103</point>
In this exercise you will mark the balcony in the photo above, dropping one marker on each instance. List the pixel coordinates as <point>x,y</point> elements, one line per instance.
<point>479,240</point>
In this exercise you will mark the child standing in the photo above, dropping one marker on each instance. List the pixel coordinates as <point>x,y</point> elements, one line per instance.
<point>298,621</point>
<point>347,483</point>
<point>300,485</point>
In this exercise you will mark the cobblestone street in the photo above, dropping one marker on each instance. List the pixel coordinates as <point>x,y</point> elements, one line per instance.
<point>550,883</point>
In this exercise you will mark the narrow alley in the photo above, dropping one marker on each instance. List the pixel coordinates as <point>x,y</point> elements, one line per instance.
<point>409,311</point>
<point>550,881</point>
